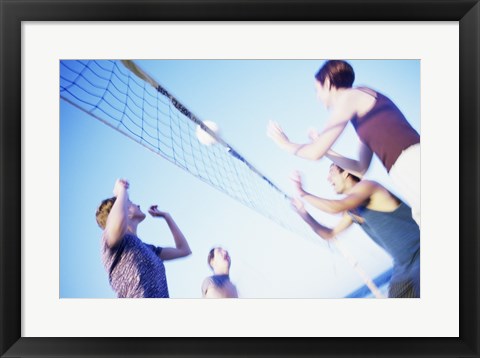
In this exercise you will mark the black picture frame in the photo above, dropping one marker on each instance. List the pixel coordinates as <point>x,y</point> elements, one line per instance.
<point>466,12</point>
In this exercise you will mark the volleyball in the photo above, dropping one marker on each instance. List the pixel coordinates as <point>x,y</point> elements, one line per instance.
<point>205,138</point>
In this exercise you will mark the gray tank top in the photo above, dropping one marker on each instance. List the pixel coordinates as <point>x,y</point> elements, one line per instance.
<point>397,233</point>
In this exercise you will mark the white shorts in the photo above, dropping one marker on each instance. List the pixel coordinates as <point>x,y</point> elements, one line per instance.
<point>405,174</point>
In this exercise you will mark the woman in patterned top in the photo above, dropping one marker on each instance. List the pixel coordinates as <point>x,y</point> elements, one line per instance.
<point>135,269</point>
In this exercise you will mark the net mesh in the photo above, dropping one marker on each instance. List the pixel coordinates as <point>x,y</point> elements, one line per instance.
<point>147,113</point>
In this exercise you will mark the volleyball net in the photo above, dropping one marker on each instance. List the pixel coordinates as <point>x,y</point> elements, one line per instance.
<point>121,95</point>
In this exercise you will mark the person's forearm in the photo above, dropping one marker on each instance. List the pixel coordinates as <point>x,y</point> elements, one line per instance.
<point>310,151</point>
<point>323,142</point>
<point>180,240</point>
<point>117,218</point>
<point>291,147</point>
<point>322,231</point>
<point>328,206</point>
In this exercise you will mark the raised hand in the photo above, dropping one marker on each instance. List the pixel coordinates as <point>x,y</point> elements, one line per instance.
<point>120,186</point>
<point>296,179</point>
<point>298,206</point>
<point>313,134</point>
<point>156,213</point>
<point>275,132</point>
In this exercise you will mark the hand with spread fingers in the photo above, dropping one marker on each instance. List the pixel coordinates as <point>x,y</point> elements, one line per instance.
<point>296,178</point>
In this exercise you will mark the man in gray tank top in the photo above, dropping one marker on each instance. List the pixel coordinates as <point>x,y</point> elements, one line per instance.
<point>384,218</point>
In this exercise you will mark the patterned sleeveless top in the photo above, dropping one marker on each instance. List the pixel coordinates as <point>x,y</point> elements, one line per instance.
<point>135,269</point>
<point>384,129</point>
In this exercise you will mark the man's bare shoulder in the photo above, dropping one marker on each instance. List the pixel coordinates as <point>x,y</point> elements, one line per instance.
<point>207,282</point>
<point>366,184</point>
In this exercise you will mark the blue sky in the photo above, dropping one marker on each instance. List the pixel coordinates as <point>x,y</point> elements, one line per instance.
<point>268,261</point>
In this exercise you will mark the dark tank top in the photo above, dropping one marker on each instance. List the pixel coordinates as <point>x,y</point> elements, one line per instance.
<point>397,233</point>
<point>384,129</point>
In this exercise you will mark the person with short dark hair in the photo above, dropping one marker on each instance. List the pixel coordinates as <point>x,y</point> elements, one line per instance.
<point>135,269</point>
<point>383,217</point>
<point>219,285</point>
<point>380,126</point>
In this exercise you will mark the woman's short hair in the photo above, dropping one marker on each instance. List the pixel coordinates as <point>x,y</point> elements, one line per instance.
<point>341,170</point>
<point>339,72</point>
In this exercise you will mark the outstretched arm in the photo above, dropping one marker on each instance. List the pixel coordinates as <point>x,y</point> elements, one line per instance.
<point>317,148</point>
<point>363,192</point>
<point>322,231</point>
<point>116,225</point>
<point>356,167</point>
<point>181,248</point>
<point>358,195</point>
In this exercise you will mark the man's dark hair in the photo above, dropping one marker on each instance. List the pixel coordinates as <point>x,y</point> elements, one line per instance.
<point>103,211</point>
<point>339,72</point>
<point>210,256</point>
<point>341,170</point>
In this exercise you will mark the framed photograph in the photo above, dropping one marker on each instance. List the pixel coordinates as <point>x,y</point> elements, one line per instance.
<point>88,86</point>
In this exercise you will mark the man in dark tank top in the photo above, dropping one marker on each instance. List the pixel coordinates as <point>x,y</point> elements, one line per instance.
<point>383,217</point>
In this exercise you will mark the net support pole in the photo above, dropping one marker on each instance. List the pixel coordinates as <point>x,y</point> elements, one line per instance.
<point>353,261</point>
